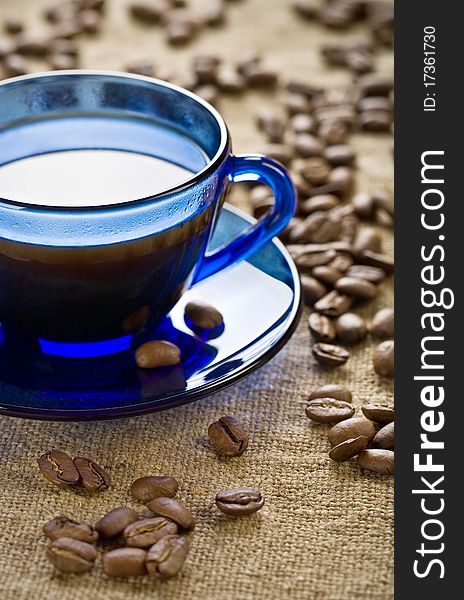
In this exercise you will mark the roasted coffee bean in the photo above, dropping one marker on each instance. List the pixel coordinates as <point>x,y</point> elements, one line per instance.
<point>328,231</point>
<point>93,477</point>
<point>114,522</point>
<point>329,410</point>
<point>350,328</point>
<point>304,89</point>
<point>349,228</point>
<point>284,235</point>
<point>374,103</point>
<point>307,8</point>
<point>318,203</point>
<point>205,67</point>
<point>321,327</point>
<point>375,120</point>
<point>360,61</point>
<point>90,21</point>
<point>338,112</point>
<point>349,448</point>
<point>331,390</point>
<point>333,132</point>
<point>230,82</point>
<point>385,437</point>
<point>306,261</point>
<point>279,152</point>
<point>342,262</point>
<point>372,274</point>
<point>356,288</point>
<point>303,249</point>
<point>228,436</point>
<point>215,14</point>
<point>272,124</point>
<point>202,315</point>
<point>157,353</point>
<point>71,556</point>
<point>379,413</point>
<point>29,45</point>
<point>125,562</point>
<point>312,289</point>
<point>303,123</point>
<point>333,304</point>
<point>149,12</point>
<point>308,146</point>
<point>180,32</point>
<point>374,259</point>
<point>13,25</point>
<point>379,461</point>
<point>258,75</point>
<point>154,486</point>
<point>384,202</point>
<point>248,59</point>
<point>315,170</point>
<point>374,84</point>
<point>363,205</point>
<point>58,468</point>
<point>383,324</point>
<point>62,526</point>
<point>339,155</point>
<point>172,509</point>
<point>351,428</point>
<point>303,188</point>
<point>146,532</point>
<point>384,361</point>
<point>262,206</point>
<point>367,239</point>
<point>337,15</point>
<point>297,104</point>
<point>208,92</point>
<point>62,62</point>
<point>166,558</point>
<point>303,232</point>
<point>14,65</point>
<point>342,179</point>
<point>239,502</point>
<point>329,355</point>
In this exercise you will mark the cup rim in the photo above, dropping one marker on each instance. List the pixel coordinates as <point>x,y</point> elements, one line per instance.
<point>210,167</point>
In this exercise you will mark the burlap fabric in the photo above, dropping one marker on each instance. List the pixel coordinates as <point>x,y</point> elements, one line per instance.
<point>326,531</point>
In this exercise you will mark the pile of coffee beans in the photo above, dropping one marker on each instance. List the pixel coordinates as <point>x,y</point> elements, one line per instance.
<point>369,437</point>
<point>137,544</point>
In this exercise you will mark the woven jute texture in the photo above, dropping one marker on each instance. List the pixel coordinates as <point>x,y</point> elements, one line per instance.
<point>326,530</point>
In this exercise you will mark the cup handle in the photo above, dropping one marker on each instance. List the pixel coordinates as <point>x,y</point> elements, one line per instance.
<point>254,167</point>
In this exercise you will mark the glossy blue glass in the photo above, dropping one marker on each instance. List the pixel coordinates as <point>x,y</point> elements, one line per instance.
<point>73,280</point>
<point>39,383</point>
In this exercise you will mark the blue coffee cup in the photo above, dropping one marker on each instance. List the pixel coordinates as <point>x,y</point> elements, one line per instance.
<point>79,273</point>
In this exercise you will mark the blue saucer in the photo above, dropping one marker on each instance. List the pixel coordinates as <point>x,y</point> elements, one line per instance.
<point>260,301</point>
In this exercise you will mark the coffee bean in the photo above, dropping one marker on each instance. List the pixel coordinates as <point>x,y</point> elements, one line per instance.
<point>208,92</point>
<point>360,61</point>
<point>363,205</point>
<point>329,355</point>
<point>342,179</point>
<point>333,132</point>
<point>337,112</point>
<point>303,232</point>
<point>90,21</point>
<point>321,327</point>
<point>166,558</point>
<point>349,448</point>
<point>247,60</point>
<point>146,532</point>
<point>180,32</point>
<point>93,477</point>
<point>374,259</point>
<point>312,289</point>
<point>215,13</point>
<point>336,15</point>
<point>114,522</point>
<point>379,461</point>
<point>14,65</point>
<point>384,202</point>
<point>272,124</point>
<point>384,361</point>
<point>333,304</point>
<point>71,556</point>
<point>205,67</point>
<point>13,25</point>
<point>58,468</point>
<point>350,328</point>
<point>374,103</point>
<point>385,437</point>
<point>157,353</point>
<point>307,8</point>
<point>62,526</point>
<point>239,502</point>
<point>303,188</point>
<point>148,12</point>
<point>29,45</point>
<point>297,104</point>
<point>356,288</point>
<point>374,84</point>
<point>125,562</point>
<point>351,428</point>
<point>349,228</point>
<point>228,436</point>
<point>331,390</point>
<point>154,486</point>
<point>257,75</point>
<point>201,315</point>
<point>375,120</point>
<point>339,155</point>
<point>262,206</point>
<point>279,152</point>
<point>372,274</point>
<point>318,203</point>
<point>304,89</point>
<point>342,262</point>
<point>367,239</point>
<point>308,146</point>
<point>303,123</point>
<point>230,82</point>
<point>379,413</point>
<point>62,62</point>
<point>383,324</point>
<point>172,509</point>
<point>315,170</point>
<point>329,410</point>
